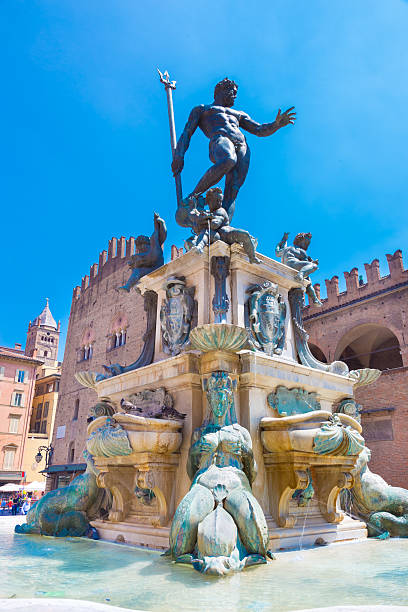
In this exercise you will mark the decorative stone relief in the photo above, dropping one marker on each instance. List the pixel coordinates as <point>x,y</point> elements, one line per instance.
<point>305,496</point>
<point>151,403</point>
<point>176,314</point>
<point>102,408</point>
<point>293,401</point>
<point>349,406</point>
<point>266,313</point>
<point>220,302</point>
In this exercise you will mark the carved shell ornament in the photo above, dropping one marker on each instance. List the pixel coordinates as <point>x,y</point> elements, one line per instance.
<point>109,440</point>
<point>334,438</point>
<point>365,376</point>
<point>86,379</point>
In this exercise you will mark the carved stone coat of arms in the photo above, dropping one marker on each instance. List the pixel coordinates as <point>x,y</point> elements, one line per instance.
<point>266,314</point>
<point>176,314</point>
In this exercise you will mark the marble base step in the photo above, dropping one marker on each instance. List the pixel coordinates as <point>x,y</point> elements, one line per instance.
<point>300,536</point>
<point>305,535</point>
<point>132,533</point>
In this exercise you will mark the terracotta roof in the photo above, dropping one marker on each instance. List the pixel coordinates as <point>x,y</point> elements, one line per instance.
<point>16,354</point>
<point>45,319</point>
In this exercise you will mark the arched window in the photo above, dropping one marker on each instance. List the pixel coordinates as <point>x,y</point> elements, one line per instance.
<point>370,346</point>
<point>76,410</point>
<point>117,336</point>
<point>71,452</point>
<point>87,345</point>
<point>86,352</point>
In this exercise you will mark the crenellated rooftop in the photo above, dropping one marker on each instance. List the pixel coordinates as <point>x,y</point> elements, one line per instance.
<point>118,253</point>
<point>357,290</point>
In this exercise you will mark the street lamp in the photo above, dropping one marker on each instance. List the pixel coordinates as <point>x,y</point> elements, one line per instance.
<point>48,450</point>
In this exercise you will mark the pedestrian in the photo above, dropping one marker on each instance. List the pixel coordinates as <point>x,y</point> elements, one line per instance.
<point>14,506</point>
<point>26,506</point>
<point>10,504</point>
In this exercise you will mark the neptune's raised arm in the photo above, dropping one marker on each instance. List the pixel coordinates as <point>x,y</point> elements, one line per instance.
<point>266,129</point>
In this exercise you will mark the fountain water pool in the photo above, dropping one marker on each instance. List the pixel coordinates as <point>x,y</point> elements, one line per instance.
<point>370,572</point>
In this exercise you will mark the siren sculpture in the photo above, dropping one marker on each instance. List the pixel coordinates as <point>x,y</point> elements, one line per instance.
<point>219,526</point>
<point>67,511</point>
<point>383,507</point>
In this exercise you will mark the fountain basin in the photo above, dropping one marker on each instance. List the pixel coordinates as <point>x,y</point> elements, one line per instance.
<point>219,336</point>
<point>372,572</point>
<point>160,436</point>
<point>298,432</point>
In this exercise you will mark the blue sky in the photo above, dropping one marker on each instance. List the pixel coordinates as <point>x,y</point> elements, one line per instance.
<point>85,146</point>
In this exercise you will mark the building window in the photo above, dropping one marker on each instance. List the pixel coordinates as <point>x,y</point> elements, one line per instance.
<point>14,421</point>
<point>38,412</point>
<point>50,388</point>
<point>43,428</point>
<point>39,390</point>
<point>8,461</point>
<point>45,411</point>
<point>71,452</point>
<point>76,410</point>
<point>17,399</point>
<point>62,481</point>
<point>87,352</point>
<point>20,376</point>
<point>56,387</point>
<point>45,353</point>
<point>1,371</point>
<point>118,339</point>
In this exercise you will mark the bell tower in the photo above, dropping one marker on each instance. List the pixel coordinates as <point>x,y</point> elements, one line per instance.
<point>43,337</point>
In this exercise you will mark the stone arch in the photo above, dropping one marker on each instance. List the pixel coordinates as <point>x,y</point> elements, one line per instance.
<point>370,345</point>
<point>118,322</point>
<point>88,337</point>
<point>71,452</point>
<point>317,352</point>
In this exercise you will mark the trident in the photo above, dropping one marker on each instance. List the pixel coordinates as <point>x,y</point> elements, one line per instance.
<point>169,86</point>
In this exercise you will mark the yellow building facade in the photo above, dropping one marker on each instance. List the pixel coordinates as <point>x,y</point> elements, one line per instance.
<point>42,341</point>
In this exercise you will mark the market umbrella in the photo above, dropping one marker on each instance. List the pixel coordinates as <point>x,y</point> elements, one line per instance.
<point>34,486</point>
<point>10,486</point>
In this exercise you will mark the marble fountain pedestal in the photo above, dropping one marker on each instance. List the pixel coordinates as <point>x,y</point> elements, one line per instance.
<point>284,442</point>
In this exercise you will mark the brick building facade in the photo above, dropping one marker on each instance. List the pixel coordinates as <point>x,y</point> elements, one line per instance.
<point>17,380</point>
<point>105,327</point>
<point>28,397</point>
<point>366,326</point>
